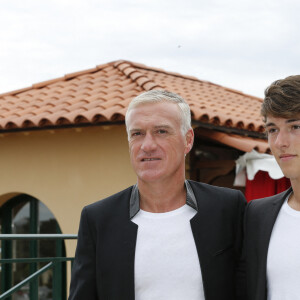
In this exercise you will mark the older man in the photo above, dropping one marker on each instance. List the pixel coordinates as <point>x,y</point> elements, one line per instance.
<point>165,237</point>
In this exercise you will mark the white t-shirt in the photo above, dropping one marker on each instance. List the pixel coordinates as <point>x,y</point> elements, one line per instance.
<point>166,260</point>
<point>283,262</point>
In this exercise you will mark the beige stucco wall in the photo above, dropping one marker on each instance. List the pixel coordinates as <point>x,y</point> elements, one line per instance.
<point>65,169</point>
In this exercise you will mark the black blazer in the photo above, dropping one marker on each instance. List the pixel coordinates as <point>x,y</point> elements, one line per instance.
<point>104,261</point>
<point>260,218</point>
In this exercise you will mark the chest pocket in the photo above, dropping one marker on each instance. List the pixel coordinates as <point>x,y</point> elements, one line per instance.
<point>224,250</point>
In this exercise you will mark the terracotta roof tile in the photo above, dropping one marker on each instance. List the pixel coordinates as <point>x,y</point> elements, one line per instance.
<point>242,143</point>
<point>90,114</point>
<point>102,94</point>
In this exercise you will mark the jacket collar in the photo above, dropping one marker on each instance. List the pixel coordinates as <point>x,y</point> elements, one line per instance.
<point>134,203</point>
<point>280,198</point>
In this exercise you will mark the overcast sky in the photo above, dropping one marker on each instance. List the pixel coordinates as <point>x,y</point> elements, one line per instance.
<point>240,44</point>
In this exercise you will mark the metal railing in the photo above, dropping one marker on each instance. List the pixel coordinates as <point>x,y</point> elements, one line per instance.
<point>52,261</point>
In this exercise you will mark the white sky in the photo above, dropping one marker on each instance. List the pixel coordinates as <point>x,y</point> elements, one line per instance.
<point>240,44</point>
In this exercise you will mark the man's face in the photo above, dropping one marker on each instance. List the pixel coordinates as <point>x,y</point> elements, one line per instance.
<point>156,145</point>
<point>284,141</point>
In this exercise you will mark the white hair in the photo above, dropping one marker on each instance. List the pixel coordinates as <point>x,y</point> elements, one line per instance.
<point>158,96</point>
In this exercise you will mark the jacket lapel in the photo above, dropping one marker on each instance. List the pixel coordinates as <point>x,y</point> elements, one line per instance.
<point>206,231</point>
<point>127,265</point>
<point>201,228</point>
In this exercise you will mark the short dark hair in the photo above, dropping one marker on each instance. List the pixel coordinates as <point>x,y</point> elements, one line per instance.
<point>282,98</point>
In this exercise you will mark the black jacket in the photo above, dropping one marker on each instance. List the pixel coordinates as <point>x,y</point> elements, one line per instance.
<point>104,261</point>
<point>260,218</point>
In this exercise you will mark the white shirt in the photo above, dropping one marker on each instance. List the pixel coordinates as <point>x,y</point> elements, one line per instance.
<point>283,261</point>
<point>166,260</point>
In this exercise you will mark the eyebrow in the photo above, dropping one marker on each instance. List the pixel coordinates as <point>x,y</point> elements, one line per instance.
<point>287,122</point>
<point>292,120</point>
<point>134,130</point>
<point>162,126</point>
<point>155,127</point>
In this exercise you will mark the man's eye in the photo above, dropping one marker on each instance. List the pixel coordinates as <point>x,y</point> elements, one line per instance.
<point>136,133</point>
<point>161,131</point>
<point>271,130</point>
<point>296,126</point>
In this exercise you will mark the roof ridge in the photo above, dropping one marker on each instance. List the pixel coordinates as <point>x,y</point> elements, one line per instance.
<point>145,67</point>
<point>142,66</point>
<point>127,68</point>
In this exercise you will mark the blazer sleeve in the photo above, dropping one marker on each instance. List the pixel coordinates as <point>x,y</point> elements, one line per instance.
<point>83,280</point>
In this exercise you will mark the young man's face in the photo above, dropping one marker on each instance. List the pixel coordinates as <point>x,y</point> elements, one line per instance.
<point>156,144</point>
<point>284,141</point>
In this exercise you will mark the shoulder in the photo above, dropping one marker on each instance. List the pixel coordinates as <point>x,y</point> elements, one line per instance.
<point>263,203</point>
<point>263,209</point>
<point>216,193</point>
<point>218,200</point>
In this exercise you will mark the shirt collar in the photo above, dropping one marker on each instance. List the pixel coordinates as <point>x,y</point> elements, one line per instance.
<point>134,205</point>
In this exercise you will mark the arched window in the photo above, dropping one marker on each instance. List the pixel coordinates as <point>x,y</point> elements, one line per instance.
<point>24,214</point>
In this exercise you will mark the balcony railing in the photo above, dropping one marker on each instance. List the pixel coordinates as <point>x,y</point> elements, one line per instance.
<point>52,262</point>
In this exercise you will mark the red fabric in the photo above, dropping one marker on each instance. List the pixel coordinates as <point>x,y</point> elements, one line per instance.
<point>263,186</point>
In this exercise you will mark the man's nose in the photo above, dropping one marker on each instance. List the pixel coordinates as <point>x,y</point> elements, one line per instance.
<point>149,143</point>
<point>282,139</point>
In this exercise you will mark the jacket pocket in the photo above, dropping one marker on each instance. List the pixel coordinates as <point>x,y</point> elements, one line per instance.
<point>219,252</point>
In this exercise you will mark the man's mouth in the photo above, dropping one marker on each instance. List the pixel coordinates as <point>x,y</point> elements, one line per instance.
<point>286,156</point>
<point>150,159</point>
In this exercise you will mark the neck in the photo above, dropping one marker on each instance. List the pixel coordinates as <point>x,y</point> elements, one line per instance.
<point>159,197</point>
<point>294,200</point>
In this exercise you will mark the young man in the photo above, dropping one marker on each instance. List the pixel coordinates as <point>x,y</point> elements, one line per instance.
<point>165,237</point>
<point>272,225</point>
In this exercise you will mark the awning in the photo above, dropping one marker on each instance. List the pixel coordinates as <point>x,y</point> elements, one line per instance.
<point>245,144</point>
<point>250,163</point>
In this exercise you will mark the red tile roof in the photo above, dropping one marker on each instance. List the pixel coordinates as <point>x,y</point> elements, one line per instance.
<point>102,94</point>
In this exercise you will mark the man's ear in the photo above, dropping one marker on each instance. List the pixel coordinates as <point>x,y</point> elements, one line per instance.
<point>189,137</point>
